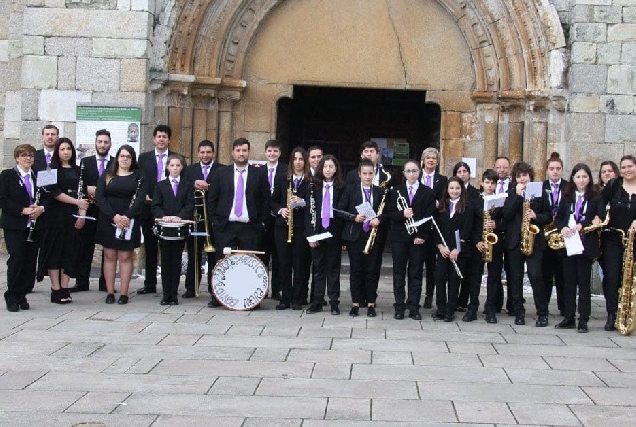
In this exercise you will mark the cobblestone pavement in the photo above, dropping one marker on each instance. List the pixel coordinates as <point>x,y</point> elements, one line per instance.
<point>144,364</point>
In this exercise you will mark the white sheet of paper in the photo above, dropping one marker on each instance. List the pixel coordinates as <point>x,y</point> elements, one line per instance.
<point>85,217</point>
<point>534,189</point>
<point>318,237</point>
<point>129,230</point>
<point>367,210</point>
<point>299,204</point>
<point>422,221</point>
<point>47,177</point>
<point>458,241</point>
<point>573,245</point>
<point>494,201</point>
<point>472,162</point>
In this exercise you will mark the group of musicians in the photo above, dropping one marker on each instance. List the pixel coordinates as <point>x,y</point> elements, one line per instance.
<point>302,215</point>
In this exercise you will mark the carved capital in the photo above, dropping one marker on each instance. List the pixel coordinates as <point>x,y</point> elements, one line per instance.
<point>227,99</point>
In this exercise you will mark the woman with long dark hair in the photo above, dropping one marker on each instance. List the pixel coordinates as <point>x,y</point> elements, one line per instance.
<point>120,196</point>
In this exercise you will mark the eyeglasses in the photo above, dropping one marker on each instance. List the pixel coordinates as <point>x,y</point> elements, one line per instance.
<point>125,156</point>
<point>27,156</point>
<point>411,171</point>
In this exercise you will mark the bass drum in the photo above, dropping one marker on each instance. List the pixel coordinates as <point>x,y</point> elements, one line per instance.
<point>240,281</point>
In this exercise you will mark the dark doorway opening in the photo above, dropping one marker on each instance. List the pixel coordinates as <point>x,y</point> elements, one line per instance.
<point>340,119</point>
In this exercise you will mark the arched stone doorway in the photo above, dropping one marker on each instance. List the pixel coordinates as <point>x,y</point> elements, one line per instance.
<point>494,67</point>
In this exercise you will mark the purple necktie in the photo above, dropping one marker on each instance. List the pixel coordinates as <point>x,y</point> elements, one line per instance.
<point>101,166</point>
<point>205,172</point>
<point>501,185</point>
<point>326,207</point>
<point>160,168</point>
<point>555,199</point>
<point>296,182</point>
<point>410,194</point>
<point>238,196</point>
<point>175,186</point>
<point>270,176</point>
<point>365,225</point>
<point>48,158</point>
<point>27,184</point>
<point>452,208</point>
<point>429,184</point>
<point>579,207</point>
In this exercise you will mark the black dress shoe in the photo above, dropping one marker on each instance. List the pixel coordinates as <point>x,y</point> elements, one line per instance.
<point>462,309</point>
<point>355,311</point>
<point>520,319</point>
<point>314,307</point>
<point>566,323</point>
<point>449,318</point>
<point>399,315</point>
<point>610,325</point>
<point>415,315</point>
<point>188,294</point>
<point>144,291</point>
<point>470,316</point>
<point>276,296</point>
<point>77,288</point>
<point>438,316</point>
<point>175,301</point>
<point>334,309</point>
<point>24,304</point>
<point>371,311</point>
<point>324,303</point>
<point>541,322</point>
<point>582,328</point>
<point>491,318</point>
<point>282,306</point>
<point>13,306</point>
<point>110,299</point>
<point>123,299</point>
<point>165,301</point>
<point>428,302</point>
<point>296,307</point>
<point>214,303</point>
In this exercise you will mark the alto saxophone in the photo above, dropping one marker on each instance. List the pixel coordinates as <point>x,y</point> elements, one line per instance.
<point>290,216</point>
<point>374,230</point>
<point>556,240</point>
<point>528,231</point>
<point>489,238</point>
<point>626,313</point>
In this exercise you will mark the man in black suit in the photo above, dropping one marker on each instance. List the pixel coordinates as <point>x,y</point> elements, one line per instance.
<point>238,202</point>
<point>153,163</point>
<point>500,259</point>
<point>50,135</point>
<point>201,174</point>
<point>271,170</point>
<point>436,182</point>
<point>314,153</point>
<point>92,168</point>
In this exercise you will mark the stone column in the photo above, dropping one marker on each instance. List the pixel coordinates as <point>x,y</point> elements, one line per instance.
<point>490,120</point>
<point>537,142</point>
<point>226,101</point>
<point>515,133</point>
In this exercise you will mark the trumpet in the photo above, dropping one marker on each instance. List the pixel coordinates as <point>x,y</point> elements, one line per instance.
<point>290,217</point>
<point>409,223</point>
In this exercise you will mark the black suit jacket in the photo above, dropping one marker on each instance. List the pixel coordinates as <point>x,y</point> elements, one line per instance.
<point>13,198</point>
<point>512,212</point>
<point>547,187</point>
<point>592,208</point>
<point>478,224</point>
<point>423,206</point>
<point>279,201</point>
<point>90,177</point>
<point>336,223</point>
<point>462,221</point>
<point>39,163</point>
<point>352,197</point>
<point>148,163</point>
<point>165,203</point>
<point>221,197</point>
<point>194,172</point>
<point>353,178</point>
<point>439,183</point>
<point>280,179</point>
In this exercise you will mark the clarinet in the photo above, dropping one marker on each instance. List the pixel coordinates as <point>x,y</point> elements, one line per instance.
<point>312,205</point>
<point>80,186</point>
<point>38,193</point>
<point>122,233</point>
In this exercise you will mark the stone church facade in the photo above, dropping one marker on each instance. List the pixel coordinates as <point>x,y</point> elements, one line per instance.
<point>519,78</point>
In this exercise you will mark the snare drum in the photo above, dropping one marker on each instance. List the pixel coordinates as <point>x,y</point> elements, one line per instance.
<point>172,230</point>
<point>240,281</point>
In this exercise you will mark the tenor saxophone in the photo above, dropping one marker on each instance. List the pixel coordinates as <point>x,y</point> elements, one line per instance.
<point>626,313</point>
<point>290,216</point>
<point>528,231</point>
<point>374,230</point>
<point>489,238</point>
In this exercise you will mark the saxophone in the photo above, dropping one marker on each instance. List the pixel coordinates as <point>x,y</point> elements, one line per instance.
<point>556,241</point>
<point>489,238</point>
<point>528,231</point>
<point>374,230</point>
<point>626,313</point>
<point>290,216</point>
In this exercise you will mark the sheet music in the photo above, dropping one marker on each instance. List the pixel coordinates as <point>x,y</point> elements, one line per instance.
<point>367,210</point>
<point>129,230</point>
<point>298,204</point>
<point>494,201</point>
<point>318,237</point>
<point>573,244</point>
<point>534,189</point>
<point>47,177</point>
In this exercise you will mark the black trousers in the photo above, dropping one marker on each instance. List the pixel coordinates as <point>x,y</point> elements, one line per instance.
<point>363,279</point>
<point>151,246</point>
<point>553,275</point>
<point>612,269</point>
<point>238,235</point>
<point>515,280</point>
<point>475,272</point>
<point>430,260</point>
<point>378,247</point>
<point>327,258</point>
<point>447,284</point>
<point>210,256</point>
<point>294,260</point>
<point>494,287</point>
<point>171,251</point>
<point>577,274</point>
<point>271,255</point>
<point>540,290</point>
<point>21,263</point>
<point>407,258</point>
<point>85,253</point>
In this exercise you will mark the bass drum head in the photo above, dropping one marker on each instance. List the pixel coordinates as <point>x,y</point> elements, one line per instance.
<point>240,281</point>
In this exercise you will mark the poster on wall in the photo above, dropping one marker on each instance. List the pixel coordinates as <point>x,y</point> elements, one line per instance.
<point>123,123</point>
<point>393,151</point>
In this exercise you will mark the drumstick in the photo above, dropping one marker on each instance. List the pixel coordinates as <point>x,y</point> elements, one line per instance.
<point>229,251</point>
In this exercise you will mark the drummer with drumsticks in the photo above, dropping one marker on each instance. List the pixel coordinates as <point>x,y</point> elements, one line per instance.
<point>173,202</point>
